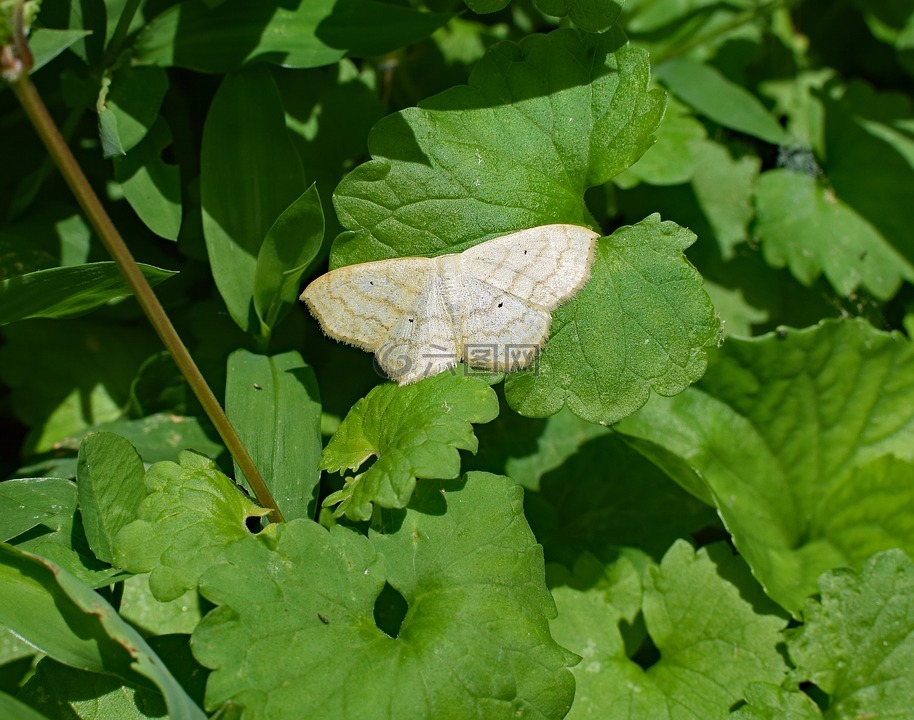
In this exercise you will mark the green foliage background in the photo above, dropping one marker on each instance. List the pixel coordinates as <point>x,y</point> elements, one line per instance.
<point>698,504</point>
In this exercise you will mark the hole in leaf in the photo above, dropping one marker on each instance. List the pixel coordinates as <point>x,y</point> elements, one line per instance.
<point>647,654</point>
<point>254,524</point>
<point>390,610</point>
<point>168,155</point>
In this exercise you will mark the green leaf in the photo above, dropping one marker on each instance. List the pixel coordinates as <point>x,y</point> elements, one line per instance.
<point>785,434</point>
<point>302,35</point>
<point>714,630</point>
<point>723,186</point>
<point>109,483</point>
<point>414,431</point>
<point>14,709</point>
<point>538,124</point>
<point>590,15</point>
<point>66,693</point>
<point>287,251</point>
<point>274,404</point>
<point>67,291</point>
<point>471,578</point>
<point>140,608</point>
<point>641,323</point>
<point>803,225</point>
<point>161,436</point>
<point>857,643</point>
<point>128,105</point>
<point>191,513</point>
<point>769,702</point>
<point>717,98</point>
<point>66,620</point>
<point>152,186</point>
<point>47,43</point>
<point>28,502</point>
<point>58,534</point>
<point>869,138</point>
<point>671,160</point>
<point>250,173</point>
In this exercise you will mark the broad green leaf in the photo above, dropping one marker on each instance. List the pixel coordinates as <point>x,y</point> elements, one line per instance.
<point>191,514</point>
<point>671,160</point>
<point>471,576</point>
<point>770,702</point>
<point>109,484</point>
<point>28,502</point>
<point>869,138</point>
<point>250,173</point>
<point>14,709</point>
<point>58,535</point>
<point>723,187</point>
<point>274,404</point>
<point>590,15</point>
<point>486,6</point>
<point>128,105</point>
<point>412,432</point>
<point>140,608</point>
<point>857,643</point>
<point>47,43</point>
<point>67,291</point>
<point>538,124</point>
<point>303,35</point>
<point>785,434</point>
<point>152,186</point>
<point>288,250</point>
<point>69,622</point>
<point>711,94</point>
<point>714,630</point>
<point>64,692</point>
<point>803,225</point>
<point>161,436</point>
<point>641,323</point>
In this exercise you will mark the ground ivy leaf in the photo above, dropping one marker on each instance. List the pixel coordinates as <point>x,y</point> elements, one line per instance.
<point>714,629</point>
<point>785,433</point>
<point>414,431</point>
<point>803,225</point>
<point>641,323</point>
<point>191,514</point>
<point>858,640</point>
<point>456,556</point>
<point>538,124</point>
<point>765,701</point>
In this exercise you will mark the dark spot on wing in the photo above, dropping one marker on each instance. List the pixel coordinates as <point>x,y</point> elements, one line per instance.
<point>501,303</point>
